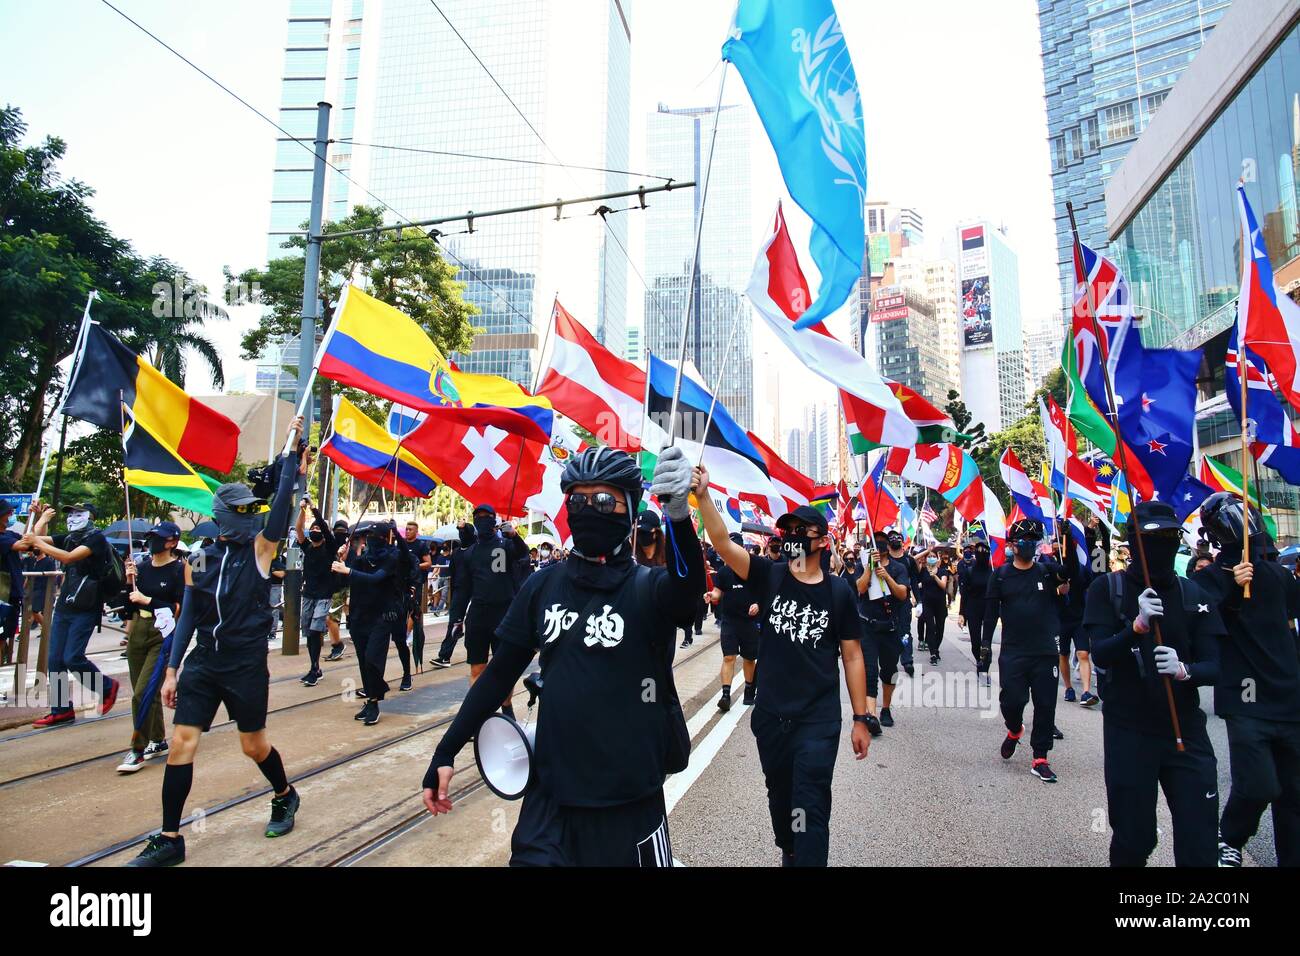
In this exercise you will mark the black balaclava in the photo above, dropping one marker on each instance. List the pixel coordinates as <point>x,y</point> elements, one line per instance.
<point>599,536</point>
<point>981,556</point>
<point>1160,551</point>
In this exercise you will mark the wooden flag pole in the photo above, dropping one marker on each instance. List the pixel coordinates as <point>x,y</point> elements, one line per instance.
<point>1122,454</point>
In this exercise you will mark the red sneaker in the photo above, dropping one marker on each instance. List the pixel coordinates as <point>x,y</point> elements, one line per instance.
<point>50,720</point>
<point>109,698</point>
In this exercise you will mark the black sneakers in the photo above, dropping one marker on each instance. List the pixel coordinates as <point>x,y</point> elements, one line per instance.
<point>1042,770</point>
<point>365,709</point>
<point>686,643</point>
<point>724,702</point>
<point>1009,744</point>
<point>440,662</point>
<point>1056,733</point>
<point>371,716</point>
<point>313,677</point>
<point>161,851</point>
<point>934,660</point>
<point>886,718</point>
<point>748,699</point>
<point>406,682</point>
<point>336,653</point>
<point>283,810</point>
<point>1229,855</point>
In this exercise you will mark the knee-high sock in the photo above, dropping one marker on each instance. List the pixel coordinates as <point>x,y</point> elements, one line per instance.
<point>273,770</point>
<point>314,641</point>
<point>176,787</point>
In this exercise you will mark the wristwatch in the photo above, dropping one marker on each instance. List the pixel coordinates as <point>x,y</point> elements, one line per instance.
<point>861,718</point>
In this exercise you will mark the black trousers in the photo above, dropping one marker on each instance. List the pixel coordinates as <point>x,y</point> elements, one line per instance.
<point>974,614</point>
<point>934,614</point>
<point>798,761</point>
<point>370,636</point>
<point>398,631</point>
<point>1265,757</point>
<point>1136,764</point>
<point>1024,677</point>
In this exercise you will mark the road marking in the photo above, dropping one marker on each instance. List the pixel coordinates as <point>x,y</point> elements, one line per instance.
<point>705,713</point>
<point>702,756</point>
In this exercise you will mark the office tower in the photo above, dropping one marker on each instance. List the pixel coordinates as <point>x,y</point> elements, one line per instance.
<point>992,347</point>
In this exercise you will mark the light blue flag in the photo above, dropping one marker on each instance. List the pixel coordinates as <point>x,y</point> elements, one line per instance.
<point>795,63</point>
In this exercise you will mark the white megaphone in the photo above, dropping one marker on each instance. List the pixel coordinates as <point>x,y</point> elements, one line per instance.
<point>503,749</point>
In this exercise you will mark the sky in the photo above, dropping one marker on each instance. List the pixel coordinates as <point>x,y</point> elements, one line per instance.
<point>952,103</point>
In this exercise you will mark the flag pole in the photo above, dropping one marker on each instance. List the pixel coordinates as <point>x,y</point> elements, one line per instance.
<point>1242,375</point>
<point>1122,454</point>
<point>537,381</point>
<point>695,262</point>
<point>717,384</point>
<point>126,489</point>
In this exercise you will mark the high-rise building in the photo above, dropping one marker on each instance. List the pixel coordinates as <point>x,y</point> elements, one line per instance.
<point>992,347</point>
<point>936,280</point>
<point>404,86</point>
<point>1107,67</point>
<point>903,340</point>
<point>677,145</point>
<point>1043,351</point>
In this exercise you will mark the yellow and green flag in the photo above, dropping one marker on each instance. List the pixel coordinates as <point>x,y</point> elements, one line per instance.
<point>155,467</point>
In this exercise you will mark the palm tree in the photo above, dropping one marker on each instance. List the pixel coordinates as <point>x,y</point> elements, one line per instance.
<point>165,338</point>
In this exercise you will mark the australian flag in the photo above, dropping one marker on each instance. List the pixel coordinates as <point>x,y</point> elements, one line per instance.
<point>795,63</point>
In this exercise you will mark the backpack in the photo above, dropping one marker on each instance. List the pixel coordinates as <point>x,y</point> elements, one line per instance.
<point>111,575</point>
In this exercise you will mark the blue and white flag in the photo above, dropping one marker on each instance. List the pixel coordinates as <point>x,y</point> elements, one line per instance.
<point>795,63</point>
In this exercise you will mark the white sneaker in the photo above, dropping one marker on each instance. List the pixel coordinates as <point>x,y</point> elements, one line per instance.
<point>131,763</point>
<point>157,748</point>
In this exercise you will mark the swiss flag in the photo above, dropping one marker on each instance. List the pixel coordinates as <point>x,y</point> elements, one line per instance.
<point>479,463</point>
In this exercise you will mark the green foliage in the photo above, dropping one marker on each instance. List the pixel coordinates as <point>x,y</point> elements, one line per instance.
<point>961,418</point>
<point>1026,438</point>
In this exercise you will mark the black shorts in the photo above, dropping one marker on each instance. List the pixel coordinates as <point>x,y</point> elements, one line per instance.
<point>243,687</point>
<point>739,637</point>
<point>1073,634</point>
<point>481,631</point>
<point>629,834</point>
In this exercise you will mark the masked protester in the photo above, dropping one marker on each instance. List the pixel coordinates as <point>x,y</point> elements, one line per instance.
<point>973,599</point>
<point>156,586</point>
<point>1078,576</point>
<point>649,540</point>
<point>1258,690</point>
<point>604,627</point>
<point>884,606</point>
<point>484,585</point>
<point>337,542</point>
<point>1121,616</point>
<point>88,559</point>
<point>421,562</point>
<point>229,605</point>
<point>810,620</point>
<point>457,575</point>
<point>934,600</point>
<point>1024,594</point>
<point>377,588</point>
<point>738,622</point>
<point>318,579</point>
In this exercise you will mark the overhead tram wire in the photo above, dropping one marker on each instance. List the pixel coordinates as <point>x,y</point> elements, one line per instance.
<point>502,159</point>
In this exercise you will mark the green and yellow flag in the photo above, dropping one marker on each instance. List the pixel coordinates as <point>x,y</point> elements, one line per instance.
<point>154,467</point>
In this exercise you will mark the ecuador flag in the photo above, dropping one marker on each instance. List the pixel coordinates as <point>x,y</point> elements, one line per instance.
<point>108,371</point>
<point>154,467</point>
<point>366,451</point>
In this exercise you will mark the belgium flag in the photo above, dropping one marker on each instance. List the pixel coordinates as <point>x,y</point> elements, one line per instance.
<point>108,374</point>
<point>154,467</point>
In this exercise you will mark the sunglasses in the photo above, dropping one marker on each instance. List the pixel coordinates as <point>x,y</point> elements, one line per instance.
<point>602,502</point>
<point>252,508</point>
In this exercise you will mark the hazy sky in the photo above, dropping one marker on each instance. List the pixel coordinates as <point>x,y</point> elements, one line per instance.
<point>952,91</point>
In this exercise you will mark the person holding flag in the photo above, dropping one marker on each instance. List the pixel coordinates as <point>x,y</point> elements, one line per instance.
<point>972,601</point>
<point>738,622</point>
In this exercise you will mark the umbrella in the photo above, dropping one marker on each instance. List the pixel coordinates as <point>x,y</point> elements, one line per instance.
<point>139,528</point>
<point>205,529</point>
<point>535,540</point>
<point>1290,555</point>
<point>448,532</point>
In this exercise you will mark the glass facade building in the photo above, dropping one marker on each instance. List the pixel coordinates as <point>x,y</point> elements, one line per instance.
<point>677,145</point>
<point>1107,67</point>
<point>408,94</point>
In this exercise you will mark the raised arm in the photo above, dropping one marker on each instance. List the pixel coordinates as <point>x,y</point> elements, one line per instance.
<point>736,557</point>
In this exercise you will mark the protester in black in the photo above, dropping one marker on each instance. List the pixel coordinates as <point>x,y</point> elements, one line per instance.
<point>457,575</point>
<point>898,552</point>
<point>318,584</point>
<point>883,620</point>
<point>810,619</point>
<point>1024,594</point>
<point>1078,576</point>
<point>156,586</point>
<point>421,565</point>
<point>1258,690</point>
<point>88,559</point>
<point>1121,615</point>
<point>933,593</point>
<point>738,622</point>
<point>604,628</point>
<point>337,544</point>
<point>377,596</point>
<point>973,594</point>
<point>229,605</point>
<point>11,580</point>
<point>648,537</point>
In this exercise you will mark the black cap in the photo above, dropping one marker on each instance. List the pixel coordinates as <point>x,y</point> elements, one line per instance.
<point>6,506</point>
<point>805,513</point>
<point>80,506</point>
<point>1155,516</point>
<point>488,508</point>
<point>648,521</point>
<point>235,494</point>
<point>166,530</point>
<point>1026,529</point>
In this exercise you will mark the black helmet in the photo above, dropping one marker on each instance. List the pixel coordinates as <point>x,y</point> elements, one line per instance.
<point>1221,519</point>
<point>1030,529</point>
<point>604,466</point>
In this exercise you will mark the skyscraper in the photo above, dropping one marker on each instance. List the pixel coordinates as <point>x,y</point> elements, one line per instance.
<point>1107,67</point>
<point>992,346</point>
<point>677,145</point>
<point>404,87</point>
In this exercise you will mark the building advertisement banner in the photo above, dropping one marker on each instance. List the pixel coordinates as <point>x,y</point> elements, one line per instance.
<point>974,253</point>
<point>976,312</point>
<point>886,308</point>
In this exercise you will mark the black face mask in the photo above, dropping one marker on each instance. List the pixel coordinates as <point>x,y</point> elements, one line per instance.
<point>157,545</point>
<point>796,546</point>
<point>317,536</point>
<point>1025,550</point>
<point>1160,551</point>
<point>485,525</point>
<point>375,542</point>
<point>981,559</point>
<point>597,535</point>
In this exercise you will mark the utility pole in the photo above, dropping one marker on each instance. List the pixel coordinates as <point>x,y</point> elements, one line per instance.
<point>306,356</point>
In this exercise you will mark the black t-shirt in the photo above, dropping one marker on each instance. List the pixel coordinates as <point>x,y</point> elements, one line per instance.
<point>419,551</point>
<point>736,599</point>
<point>81,579</point>
<point>11,568</point>
<point>1134,697</point>
<point>232,602</point>
<point>935,592</point>
<point>1028,605</point>
<point>164,586</point>
<point>1259,667</point>
<point>318,580</point>
<point>973,588</point>
<point>889,608</point>
<point>601,739</point>
<point>803,625</point>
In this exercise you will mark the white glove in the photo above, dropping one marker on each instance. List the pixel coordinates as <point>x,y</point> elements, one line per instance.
<point>1150,607</point>
<point>1168,664</point>
<point>164,621</point>
<point>672,483</point>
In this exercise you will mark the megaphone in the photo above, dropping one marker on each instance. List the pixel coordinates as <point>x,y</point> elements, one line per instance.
<point>503,751</point>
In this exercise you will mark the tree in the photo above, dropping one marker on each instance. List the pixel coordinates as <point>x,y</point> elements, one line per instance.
<point>404,269</point>
<point>53,252</point>
<point>961,418</point>
<point>1026,439</point>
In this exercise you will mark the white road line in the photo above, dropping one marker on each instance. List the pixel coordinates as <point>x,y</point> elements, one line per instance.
<point>705,713</point>
<point>701,756</point>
